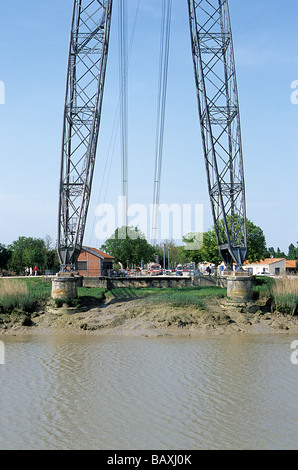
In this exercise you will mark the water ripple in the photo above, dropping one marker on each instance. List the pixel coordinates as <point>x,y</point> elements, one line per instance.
<point>158,393</point>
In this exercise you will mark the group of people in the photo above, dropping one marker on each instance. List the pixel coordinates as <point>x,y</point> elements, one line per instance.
<point>29,271</point>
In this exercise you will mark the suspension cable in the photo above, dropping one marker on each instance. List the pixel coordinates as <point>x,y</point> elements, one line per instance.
<point>111,149</point>
<point>123,98</point>
<point>161,104</point>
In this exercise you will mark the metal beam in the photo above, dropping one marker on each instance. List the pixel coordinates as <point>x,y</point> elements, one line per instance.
<point>213,57</point>
<point>88,51</point>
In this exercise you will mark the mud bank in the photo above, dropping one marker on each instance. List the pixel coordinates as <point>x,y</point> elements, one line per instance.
<point>143,318</point>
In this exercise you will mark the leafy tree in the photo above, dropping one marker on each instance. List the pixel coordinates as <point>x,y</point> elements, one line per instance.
<point>208,249</point>
<point>193,245</point>
<point>270,252</point>
<point>293,252</point>
<point>280,254</point>
<point>52,262</point>
<point>177,255</point>
<point>256,242</point>
<point>27,251</point>
<point>5,255</point>
<point>256,245</point>
<point>184,256</point>
<point>128,246</point>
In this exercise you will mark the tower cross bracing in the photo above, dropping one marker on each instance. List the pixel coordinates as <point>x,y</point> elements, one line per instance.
<point>215,77</point>
<point>87,61</point>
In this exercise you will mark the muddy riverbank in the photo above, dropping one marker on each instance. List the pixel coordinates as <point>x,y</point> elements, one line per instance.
<point>140,317</point>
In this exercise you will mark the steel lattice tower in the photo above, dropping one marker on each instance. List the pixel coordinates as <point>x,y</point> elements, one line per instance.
<point>87,61</point>
<point>213,57</point>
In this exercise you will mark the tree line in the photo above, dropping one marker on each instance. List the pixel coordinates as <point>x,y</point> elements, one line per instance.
<point>29,252</point>
<point>128,246</point>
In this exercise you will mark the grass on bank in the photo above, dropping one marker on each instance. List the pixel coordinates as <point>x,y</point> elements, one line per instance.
<point>16,294</point>
<point>85,295</point>
<point>281,292</point>
<point>29,293</point>
<point>262,287</point>
<point>173,296</point>
<point>284,294</point>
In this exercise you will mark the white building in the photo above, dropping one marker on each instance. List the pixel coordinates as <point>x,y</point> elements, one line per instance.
<point>273,266</point>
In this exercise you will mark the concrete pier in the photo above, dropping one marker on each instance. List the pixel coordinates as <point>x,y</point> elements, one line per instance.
<point>240,287</point>
<point>65,286</point>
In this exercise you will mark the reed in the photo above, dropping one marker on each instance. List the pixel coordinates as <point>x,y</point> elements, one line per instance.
<point>284,294</point>
<point>15,294</point>
<point>12,287</point>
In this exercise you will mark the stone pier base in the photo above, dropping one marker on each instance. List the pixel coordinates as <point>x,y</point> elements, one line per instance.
<point>240,287</point>
<point>65,286</point>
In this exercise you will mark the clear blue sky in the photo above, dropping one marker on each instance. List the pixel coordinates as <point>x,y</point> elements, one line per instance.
<point>34,39</point>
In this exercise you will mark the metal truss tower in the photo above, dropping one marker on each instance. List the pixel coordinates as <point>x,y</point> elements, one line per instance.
<point>213,57</point>
<point>87,61</point>
<point>215,76</point>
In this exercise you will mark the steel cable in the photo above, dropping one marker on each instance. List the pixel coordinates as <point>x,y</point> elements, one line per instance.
<point>161,105</point>
<point>111,149</point>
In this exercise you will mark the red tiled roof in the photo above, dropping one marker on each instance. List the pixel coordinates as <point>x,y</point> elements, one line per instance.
<point>266,261</point>
<point>271,260</point>
<point>97,252</point>
<point>291,263</point>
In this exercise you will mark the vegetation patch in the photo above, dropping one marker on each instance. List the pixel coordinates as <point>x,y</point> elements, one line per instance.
<point>174,297</point>
<point>187,297</point>
<point>87,296</point>
<point>28,294</point>
<point>17,295</point>
<point>178,300</point>
<point>284,293</point>
<point>97,293</point>
<point>262,287</point>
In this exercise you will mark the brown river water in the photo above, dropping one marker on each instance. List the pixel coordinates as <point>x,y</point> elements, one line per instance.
<point>125,393</point>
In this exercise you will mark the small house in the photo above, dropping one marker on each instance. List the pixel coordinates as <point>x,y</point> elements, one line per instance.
<point>94,263</point>
<point>273,266</point>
